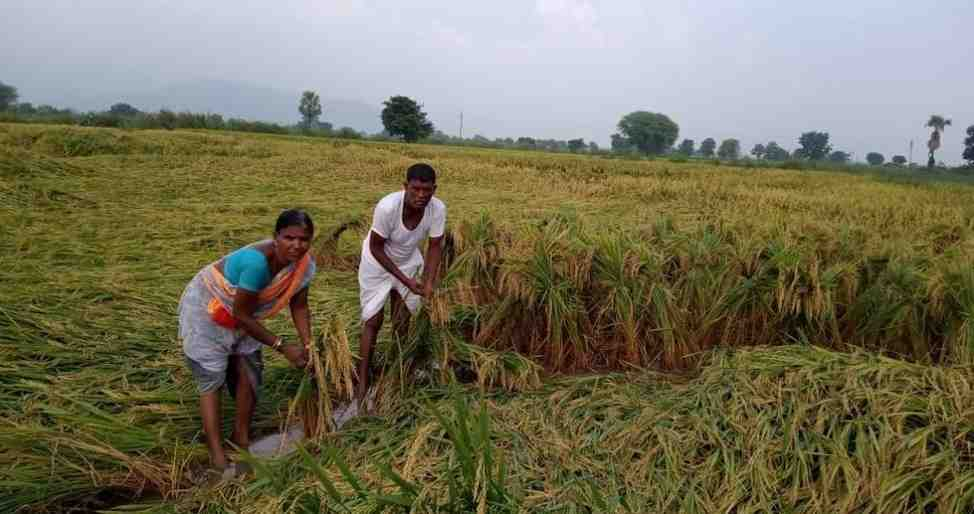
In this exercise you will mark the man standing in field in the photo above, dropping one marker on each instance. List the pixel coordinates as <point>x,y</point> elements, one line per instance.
<point>391,262</point>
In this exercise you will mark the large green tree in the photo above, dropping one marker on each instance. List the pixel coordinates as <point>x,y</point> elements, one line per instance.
<point>167,119</point>
<point>123,109</point>
<point>686,147</point>
<point>839,156</point>
<point>814,146</point>
<point>729,149</point>
<point>899,160</point>
<point>621,143</point>
<point>310,109</point>
<point>773,152</point>
<point>759,151</point>
<point>652,133</point>
<point>969,146</point>
<point>875,158</point>
<point>937,123</point>
<point>707,147</point>
<point>8,96</point>
<point>404,117</point>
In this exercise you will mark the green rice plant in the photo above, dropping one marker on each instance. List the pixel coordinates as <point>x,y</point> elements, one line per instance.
<point>618,290</point>
<point>959,310</point>
<point>578,301</point>
<point>891,312</point>
<point>480,486</point>
<point>475,474</point>
<point>442,355</point>
<point>477,261</point>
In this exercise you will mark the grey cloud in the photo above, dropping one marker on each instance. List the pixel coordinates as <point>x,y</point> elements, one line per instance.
<point>758,70</point>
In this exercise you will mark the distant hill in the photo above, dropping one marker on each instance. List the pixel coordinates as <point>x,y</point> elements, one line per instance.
<point>235,99</point>
<point>241,99</point>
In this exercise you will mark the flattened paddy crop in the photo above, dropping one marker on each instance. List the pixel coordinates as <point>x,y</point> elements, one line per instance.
<point>611,336</point>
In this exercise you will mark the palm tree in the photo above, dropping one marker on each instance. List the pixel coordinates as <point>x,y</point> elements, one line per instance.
<point>937,123</point>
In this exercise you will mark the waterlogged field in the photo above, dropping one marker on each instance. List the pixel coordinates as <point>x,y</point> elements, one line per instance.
<point>611,336</point>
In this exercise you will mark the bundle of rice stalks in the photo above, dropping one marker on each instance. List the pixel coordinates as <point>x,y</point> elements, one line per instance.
<point>328,255</point>
<point>327,383</point>
<point>437,355</point>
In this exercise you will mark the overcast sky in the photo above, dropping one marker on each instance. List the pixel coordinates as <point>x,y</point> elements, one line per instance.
<point>758,70</point>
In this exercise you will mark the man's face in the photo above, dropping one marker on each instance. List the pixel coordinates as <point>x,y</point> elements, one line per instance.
<point>419,193</point>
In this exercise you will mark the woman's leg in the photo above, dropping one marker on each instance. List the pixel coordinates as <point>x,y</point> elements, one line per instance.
<point>245,400</point>
<point>210,411</point>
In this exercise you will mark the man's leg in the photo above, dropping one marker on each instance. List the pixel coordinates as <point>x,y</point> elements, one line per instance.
<point>370,331</point>
<point>245,403</point>
<point>210,411</point>
<point>400,315</point>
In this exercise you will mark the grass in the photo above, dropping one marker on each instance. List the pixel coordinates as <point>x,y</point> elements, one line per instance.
<point>561,264</point>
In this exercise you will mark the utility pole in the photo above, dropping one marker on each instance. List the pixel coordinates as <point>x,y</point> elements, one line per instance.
<point>911,153</point>
<point>461,124</point>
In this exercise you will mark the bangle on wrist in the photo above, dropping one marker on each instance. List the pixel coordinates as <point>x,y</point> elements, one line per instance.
<point>278,343</point>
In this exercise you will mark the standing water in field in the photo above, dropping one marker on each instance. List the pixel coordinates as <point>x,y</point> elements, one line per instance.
<point>283,443</point>
<point>345,412</point>
<point>277,444</point>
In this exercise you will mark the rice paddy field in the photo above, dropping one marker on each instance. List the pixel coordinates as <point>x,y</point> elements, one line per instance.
<point>609,336</point>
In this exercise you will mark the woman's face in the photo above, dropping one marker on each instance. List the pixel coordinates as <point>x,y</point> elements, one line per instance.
<point>292,243</point>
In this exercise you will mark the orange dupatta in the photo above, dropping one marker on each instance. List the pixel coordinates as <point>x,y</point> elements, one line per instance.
<point>280,291</point>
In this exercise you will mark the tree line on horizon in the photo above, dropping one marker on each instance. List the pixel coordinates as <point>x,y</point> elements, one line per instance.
<point>640,133</point>
<point>655,133</point>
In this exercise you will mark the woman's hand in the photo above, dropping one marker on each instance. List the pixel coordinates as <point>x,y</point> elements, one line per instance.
<point>296,355</point>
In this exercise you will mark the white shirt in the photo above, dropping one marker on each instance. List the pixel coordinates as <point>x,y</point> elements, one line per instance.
<point>402,244</point>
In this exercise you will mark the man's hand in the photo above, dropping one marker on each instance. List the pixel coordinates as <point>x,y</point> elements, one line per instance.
<point>414,286</point>
<point>428,290</point>
<point>296,355</point>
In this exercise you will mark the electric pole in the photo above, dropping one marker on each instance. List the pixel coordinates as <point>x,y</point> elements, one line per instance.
<point>461,124</point>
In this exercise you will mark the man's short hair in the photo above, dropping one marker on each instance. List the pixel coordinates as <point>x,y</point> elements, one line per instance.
<point>422,172</point>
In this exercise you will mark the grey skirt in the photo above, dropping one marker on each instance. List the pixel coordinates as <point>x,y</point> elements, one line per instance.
<point>208,346</point>
<point>209,381</point>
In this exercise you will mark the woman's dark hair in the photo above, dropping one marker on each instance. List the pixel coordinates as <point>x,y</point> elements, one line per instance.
<point>422,172</point>
<point>294,218</point>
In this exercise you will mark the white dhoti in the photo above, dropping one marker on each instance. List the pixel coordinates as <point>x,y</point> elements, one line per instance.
<point>401,245</point>
<point>375,284</point>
